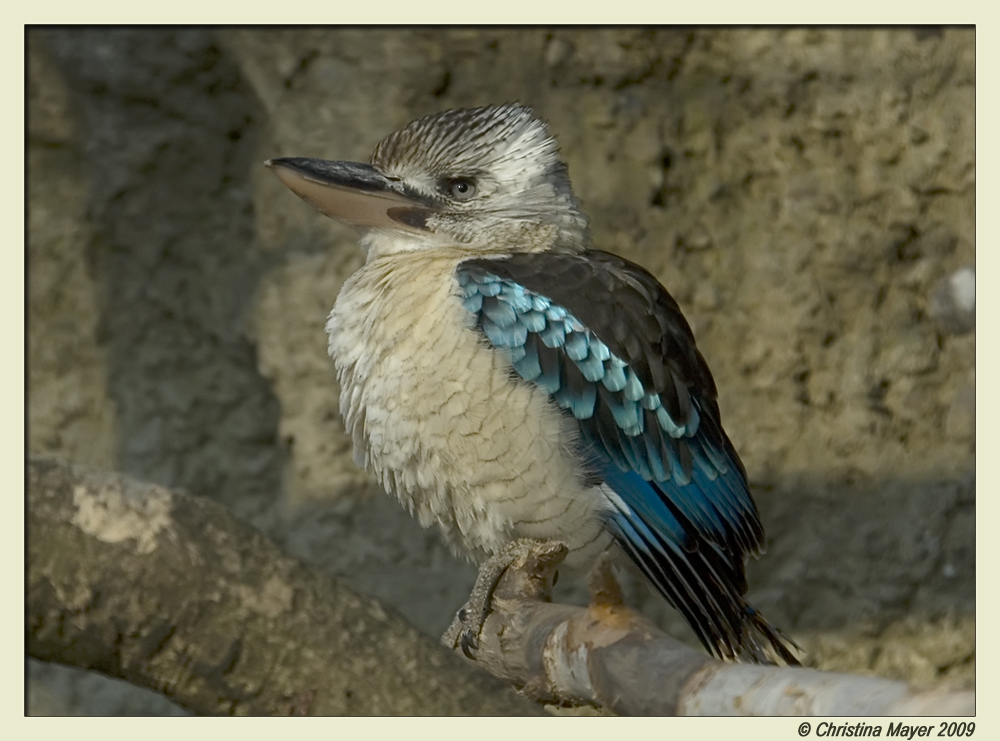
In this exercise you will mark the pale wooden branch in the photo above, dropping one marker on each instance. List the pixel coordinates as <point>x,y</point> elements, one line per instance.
<point>610,656</point>
<point>170,592</point>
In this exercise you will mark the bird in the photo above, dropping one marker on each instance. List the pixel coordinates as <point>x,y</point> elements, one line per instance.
<point>505,380</point>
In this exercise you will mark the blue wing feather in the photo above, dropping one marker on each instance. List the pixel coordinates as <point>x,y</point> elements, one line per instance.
<point>710,492</point>
<point>679,501</point>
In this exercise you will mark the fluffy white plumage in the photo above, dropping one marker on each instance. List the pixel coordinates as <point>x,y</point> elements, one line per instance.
<point>438,418</point>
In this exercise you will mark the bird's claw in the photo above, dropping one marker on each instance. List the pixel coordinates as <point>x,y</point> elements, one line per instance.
<point>534,561</point>
<point>461,634</point>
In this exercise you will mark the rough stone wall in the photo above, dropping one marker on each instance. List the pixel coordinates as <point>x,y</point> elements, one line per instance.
<point>70,408</point>
<point>802,193</point>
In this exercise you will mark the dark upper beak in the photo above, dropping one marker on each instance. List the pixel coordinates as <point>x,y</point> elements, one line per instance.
<point>353,193</point>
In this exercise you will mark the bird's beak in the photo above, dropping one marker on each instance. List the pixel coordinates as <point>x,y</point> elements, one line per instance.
<point>353,193</point>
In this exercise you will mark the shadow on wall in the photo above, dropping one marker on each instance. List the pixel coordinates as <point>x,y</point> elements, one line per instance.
<point>842,553</point>
<point>167,130</point>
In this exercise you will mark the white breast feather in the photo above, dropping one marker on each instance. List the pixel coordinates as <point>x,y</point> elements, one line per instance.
<point>435,414</point>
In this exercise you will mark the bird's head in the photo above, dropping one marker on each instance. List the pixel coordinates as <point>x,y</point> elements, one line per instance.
<point>488,180</point>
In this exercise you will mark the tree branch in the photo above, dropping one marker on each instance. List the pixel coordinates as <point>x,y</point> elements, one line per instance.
<point>607,655</point>
<point>170,592</point>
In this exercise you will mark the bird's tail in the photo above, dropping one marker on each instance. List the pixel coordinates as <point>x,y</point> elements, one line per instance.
<point>759,642</point>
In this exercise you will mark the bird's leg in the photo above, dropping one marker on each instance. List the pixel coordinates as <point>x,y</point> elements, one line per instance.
<point>529,566</point>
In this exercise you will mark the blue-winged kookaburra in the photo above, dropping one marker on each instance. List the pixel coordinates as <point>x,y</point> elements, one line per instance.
<point>505,381</point>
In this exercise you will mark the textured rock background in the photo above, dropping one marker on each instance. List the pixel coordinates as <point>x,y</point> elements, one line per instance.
<point>802,193</point>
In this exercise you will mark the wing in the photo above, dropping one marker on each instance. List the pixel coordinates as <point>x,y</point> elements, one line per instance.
<point>611,347</point>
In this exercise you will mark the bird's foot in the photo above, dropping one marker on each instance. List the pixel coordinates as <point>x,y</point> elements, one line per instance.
<point>530,568</point>
<point>603,586</point>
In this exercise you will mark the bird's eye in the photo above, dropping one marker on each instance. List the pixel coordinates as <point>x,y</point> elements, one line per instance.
<point>462,189</point>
